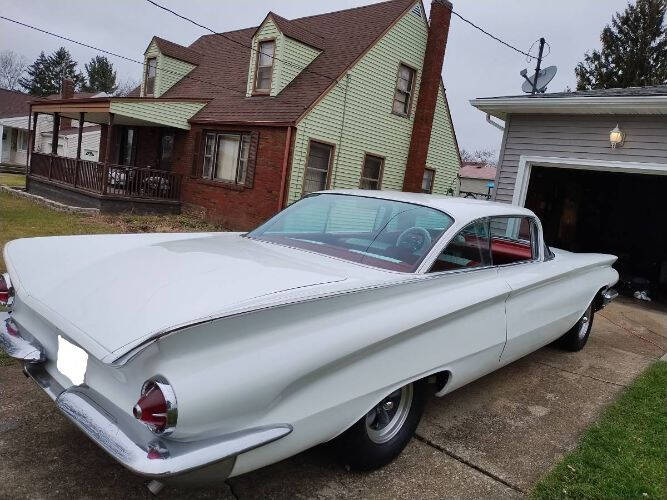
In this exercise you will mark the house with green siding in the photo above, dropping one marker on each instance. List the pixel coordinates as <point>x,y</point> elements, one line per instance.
<point>241,124</point>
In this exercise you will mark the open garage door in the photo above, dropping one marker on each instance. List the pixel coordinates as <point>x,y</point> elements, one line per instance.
<point>598,211</point>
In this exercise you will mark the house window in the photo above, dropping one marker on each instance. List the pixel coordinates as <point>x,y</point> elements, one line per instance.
<point>149,82</point>
<point>427,180</point>
<point>22,140</point>
<point>371,173</point>
<point>226,157</point>
<point>264,65</point>
<point>404,86</point>
<point>127,145</point>
<point>318,167</point>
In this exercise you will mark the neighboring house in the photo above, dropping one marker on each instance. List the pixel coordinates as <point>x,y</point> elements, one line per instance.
<point>593,166</point>
<point>14,128</point>
<point>476,179</point>
<point>326,101</point>
<point>14,109</point>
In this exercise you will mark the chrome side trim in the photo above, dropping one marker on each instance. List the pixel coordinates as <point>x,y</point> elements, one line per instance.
<point>17,344</point>
<point>144,453</point>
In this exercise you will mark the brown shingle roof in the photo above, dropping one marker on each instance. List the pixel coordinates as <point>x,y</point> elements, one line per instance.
<point>294,29</point>
<point>171,49</point>
<point>223,71</point>
<point>14,103</point>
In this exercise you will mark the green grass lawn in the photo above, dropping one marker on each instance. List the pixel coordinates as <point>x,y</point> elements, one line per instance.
<point>624,454</point>
<point>12,180</point>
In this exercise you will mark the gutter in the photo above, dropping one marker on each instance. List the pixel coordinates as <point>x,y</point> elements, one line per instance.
<point>491,122</point>
<point>283,175</point>
<point>502,106</point>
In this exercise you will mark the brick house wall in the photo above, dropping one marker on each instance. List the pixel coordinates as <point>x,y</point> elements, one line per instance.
<point>235,207</point>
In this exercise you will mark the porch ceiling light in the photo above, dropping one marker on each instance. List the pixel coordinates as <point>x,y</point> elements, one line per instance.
<point>616,137</point>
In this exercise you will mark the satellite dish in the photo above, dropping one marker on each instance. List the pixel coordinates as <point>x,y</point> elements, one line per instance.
<point>543,78</point>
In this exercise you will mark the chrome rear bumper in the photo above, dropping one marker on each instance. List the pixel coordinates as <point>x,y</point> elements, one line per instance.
<point>606,296</point>
<point>122,436</point>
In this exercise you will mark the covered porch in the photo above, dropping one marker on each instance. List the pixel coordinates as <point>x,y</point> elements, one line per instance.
<point>136,170</point>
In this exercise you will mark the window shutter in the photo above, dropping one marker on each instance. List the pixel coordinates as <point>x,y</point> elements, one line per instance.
<point>252,159</point>
<point>197,154</point>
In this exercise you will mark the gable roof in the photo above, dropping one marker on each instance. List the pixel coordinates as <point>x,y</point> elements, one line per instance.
<point>14,103</point>
<point>295,30</point>
<point>618,92</point>
<point>223,70</point>
<point>176,51</point>
<point>650,100</point>
<point>477,170</point>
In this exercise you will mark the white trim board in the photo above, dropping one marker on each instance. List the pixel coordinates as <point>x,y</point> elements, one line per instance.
<point>526,163</point>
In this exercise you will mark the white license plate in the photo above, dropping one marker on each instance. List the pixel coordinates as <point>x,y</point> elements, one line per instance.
<point>72,361</point>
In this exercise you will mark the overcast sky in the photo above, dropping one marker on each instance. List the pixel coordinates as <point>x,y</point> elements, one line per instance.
<point>475,65</point>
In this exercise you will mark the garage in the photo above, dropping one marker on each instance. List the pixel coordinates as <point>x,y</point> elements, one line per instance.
<point>593,166</point>
<point>598,211</point>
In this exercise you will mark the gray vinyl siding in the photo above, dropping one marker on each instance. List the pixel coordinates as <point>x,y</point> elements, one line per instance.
<point>578,136</point>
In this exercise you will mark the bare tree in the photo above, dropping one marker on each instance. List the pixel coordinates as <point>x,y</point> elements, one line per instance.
<point>12,66</point>
<point>486,156</point>
<point>125,87</point>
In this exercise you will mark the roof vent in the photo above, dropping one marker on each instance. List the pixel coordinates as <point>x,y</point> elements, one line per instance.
<point>417,10</point>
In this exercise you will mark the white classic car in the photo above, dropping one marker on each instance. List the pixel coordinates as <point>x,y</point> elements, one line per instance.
<point>210,355</point>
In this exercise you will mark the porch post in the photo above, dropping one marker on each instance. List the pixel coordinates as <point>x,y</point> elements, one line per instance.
<point>54,136</point>
<point>54,140</point>
<point>32,138</point>
<point>1,132</point>
<point>107,153</point>
<point>78,149</point>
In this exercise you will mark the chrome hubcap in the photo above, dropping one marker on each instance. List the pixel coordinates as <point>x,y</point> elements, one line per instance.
<point>385,420</point>
<point>584,322</point>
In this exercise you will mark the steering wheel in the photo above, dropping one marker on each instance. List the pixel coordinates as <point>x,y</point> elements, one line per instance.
<point>415,239</point>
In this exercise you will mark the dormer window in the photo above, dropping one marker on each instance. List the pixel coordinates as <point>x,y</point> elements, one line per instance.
<point>149,80</point>
<point>264,73</point>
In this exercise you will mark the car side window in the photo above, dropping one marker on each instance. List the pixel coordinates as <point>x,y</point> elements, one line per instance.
<point>470,248</point>
<point>513,239</point>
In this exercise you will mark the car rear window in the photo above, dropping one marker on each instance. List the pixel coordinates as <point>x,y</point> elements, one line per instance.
<point>373,231</point>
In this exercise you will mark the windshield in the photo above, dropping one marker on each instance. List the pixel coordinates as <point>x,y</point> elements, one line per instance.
<point>373,231</point>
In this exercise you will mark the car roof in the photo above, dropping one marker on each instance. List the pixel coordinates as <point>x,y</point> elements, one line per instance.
<point>461,209</point>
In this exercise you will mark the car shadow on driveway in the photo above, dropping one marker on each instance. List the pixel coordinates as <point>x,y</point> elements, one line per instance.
<point>494,437</point>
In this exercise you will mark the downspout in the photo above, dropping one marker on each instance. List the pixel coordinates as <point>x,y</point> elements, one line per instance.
<point>491,122</point>
<point>283,178</point>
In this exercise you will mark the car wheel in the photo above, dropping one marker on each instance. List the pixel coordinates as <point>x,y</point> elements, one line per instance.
<point>380,435</point>
<point>575,339</point>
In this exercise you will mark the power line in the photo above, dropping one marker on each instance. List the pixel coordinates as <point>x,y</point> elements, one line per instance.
<point>226,37</point>
<point>163,70</point>
<point>492,36</point>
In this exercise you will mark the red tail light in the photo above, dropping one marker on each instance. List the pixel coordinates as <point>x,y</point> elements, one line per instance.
<point>6,290</point>
<point>157,406</point>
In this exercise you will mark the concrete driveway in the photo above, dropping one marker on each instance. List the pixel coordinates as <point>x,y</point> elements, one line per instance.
<point>495,437</point>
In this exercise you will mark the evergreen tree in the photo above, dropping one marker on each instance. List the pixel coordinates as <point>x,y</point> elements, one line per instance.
<point>633,53</point>
<point>101,76</point>
<point>46,74</point>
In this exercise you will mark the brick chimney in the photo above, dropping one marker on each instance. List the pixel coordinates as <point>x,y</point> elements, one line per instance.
<point>66,92</point>
<point>441,12</point>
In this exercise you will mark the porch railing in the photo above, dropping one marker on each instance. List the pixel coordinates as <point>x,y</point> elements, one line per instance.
<point>111,180</point>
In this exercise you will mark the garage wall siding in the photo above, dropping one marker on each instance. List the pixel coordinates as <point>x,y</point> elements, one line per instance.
<point>582,137</point>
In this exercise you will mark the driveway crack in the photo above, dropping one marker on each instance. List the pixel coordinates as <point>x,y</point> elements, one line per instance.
<point>580,374</point>
<point>459,458</point>
<point>231,489</point>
